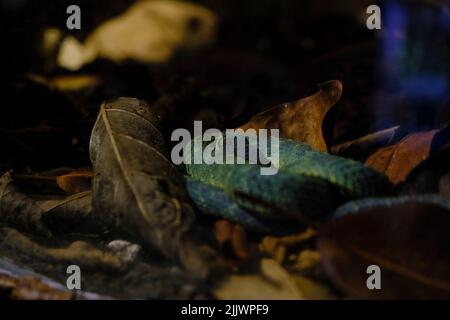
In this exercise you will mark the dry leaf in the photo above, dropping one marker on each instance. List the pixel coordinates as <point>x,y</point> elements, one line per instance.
<point>223,229</point>
<point>305,261</point>
<point>44,213</point>
<point>79,252</point>
<point>431,176</point>
<point>409,242</point>
<point>71,213</point>
<point>18,209</point>
<point>137,189</point>
<point>361,148</point>
<point>280,248</point>
<point>397,161</point>
<point>74,82</point>
<point>52,182</point>
<point>232,242</point>
<point>271,283</point>
<point>29,288</point>
<point>69,83</point>
<point>301,120</point>
<point>75,181</point>
<point>135,183</point>
<point>149,31</point>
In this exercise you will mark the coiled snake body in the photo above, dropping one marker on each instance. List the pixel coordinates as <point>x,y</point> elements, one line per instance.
<point>309,183</point>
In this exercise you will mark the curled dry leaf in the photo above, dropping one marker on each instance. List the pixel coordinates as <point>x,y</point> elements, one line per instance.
<point>52,182</point>
<point>361,148</point>
<point>137,189</point>
<point>65,213</point>
<point>397,161</point>
<point>18,209</point>
<point>409,242</point>
<point>40,183</point>
<point>44,213</point>
<point>75,181</point>
<point>233,242</point>
<point>280,248</point>
<point>149,31</point>
<point>29,288</point>
<point>301,120</point>
<point>79,252</point>
<point>69,83</point>
<point>306,261</point>
<point>431,176</point>
<point>272,282</point>
<point>73,83</point>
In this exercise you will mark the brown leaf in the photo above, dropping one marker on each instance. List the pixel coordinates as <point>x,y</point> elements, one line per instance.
<point>52,182</point>
<point>158,29</point>
<point>280,248</point>
<point>18,209</point>
<point>431,176</point>
<point>409,242</point>
<point>137,189</point>
<point>361,148</point>
<point>71,213</point>
<point>306,261</point>
<point>75,181</point>
<point>30,288</point>
<point>397,161</point>
<point>301,120</point>
<point>78,252</point>
<point>44,214</point>
<point>232,242</point>
<point>40,183</point>
<point>272,282</point>
<point>240,243</point>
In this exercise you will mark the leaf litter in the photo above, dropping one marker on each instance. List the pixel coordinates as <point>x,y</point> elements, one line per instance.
<point>134,221</point>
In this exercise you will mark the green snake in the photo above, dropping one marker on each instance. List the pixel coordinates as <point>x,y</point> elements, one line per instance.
<point>309,184</point>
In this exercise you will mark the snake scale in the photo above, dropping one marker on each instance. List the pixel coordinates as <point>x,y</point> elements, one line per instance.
<point>308,184</point>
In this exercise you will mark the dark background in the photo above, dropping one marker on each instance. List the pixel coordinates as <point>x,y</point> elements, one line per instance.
<point>266,53</point>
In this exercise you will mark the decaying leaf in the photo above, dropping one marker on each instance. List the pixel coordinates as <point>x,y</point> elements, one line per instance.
<point>18,209</point>
<point>137,189</point>
<point>70,83</point>
<point>361,148</point>
<point>280,248</point>
<point>306,261</point>
<point>40,183</point>
<point>409,242</point>
<point>74,83</point>
<point>55,182</point>
<point>69,213</point>
<point>233,242</point>
<point>46,212</point>
<point>431,176</point>
<point>149,31</point>
<point>29,288</point>
<point>79,252</point>
<point>398,160</point>
<point>75,181</point>
<point>301,120</point>
<point>272,282</point>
